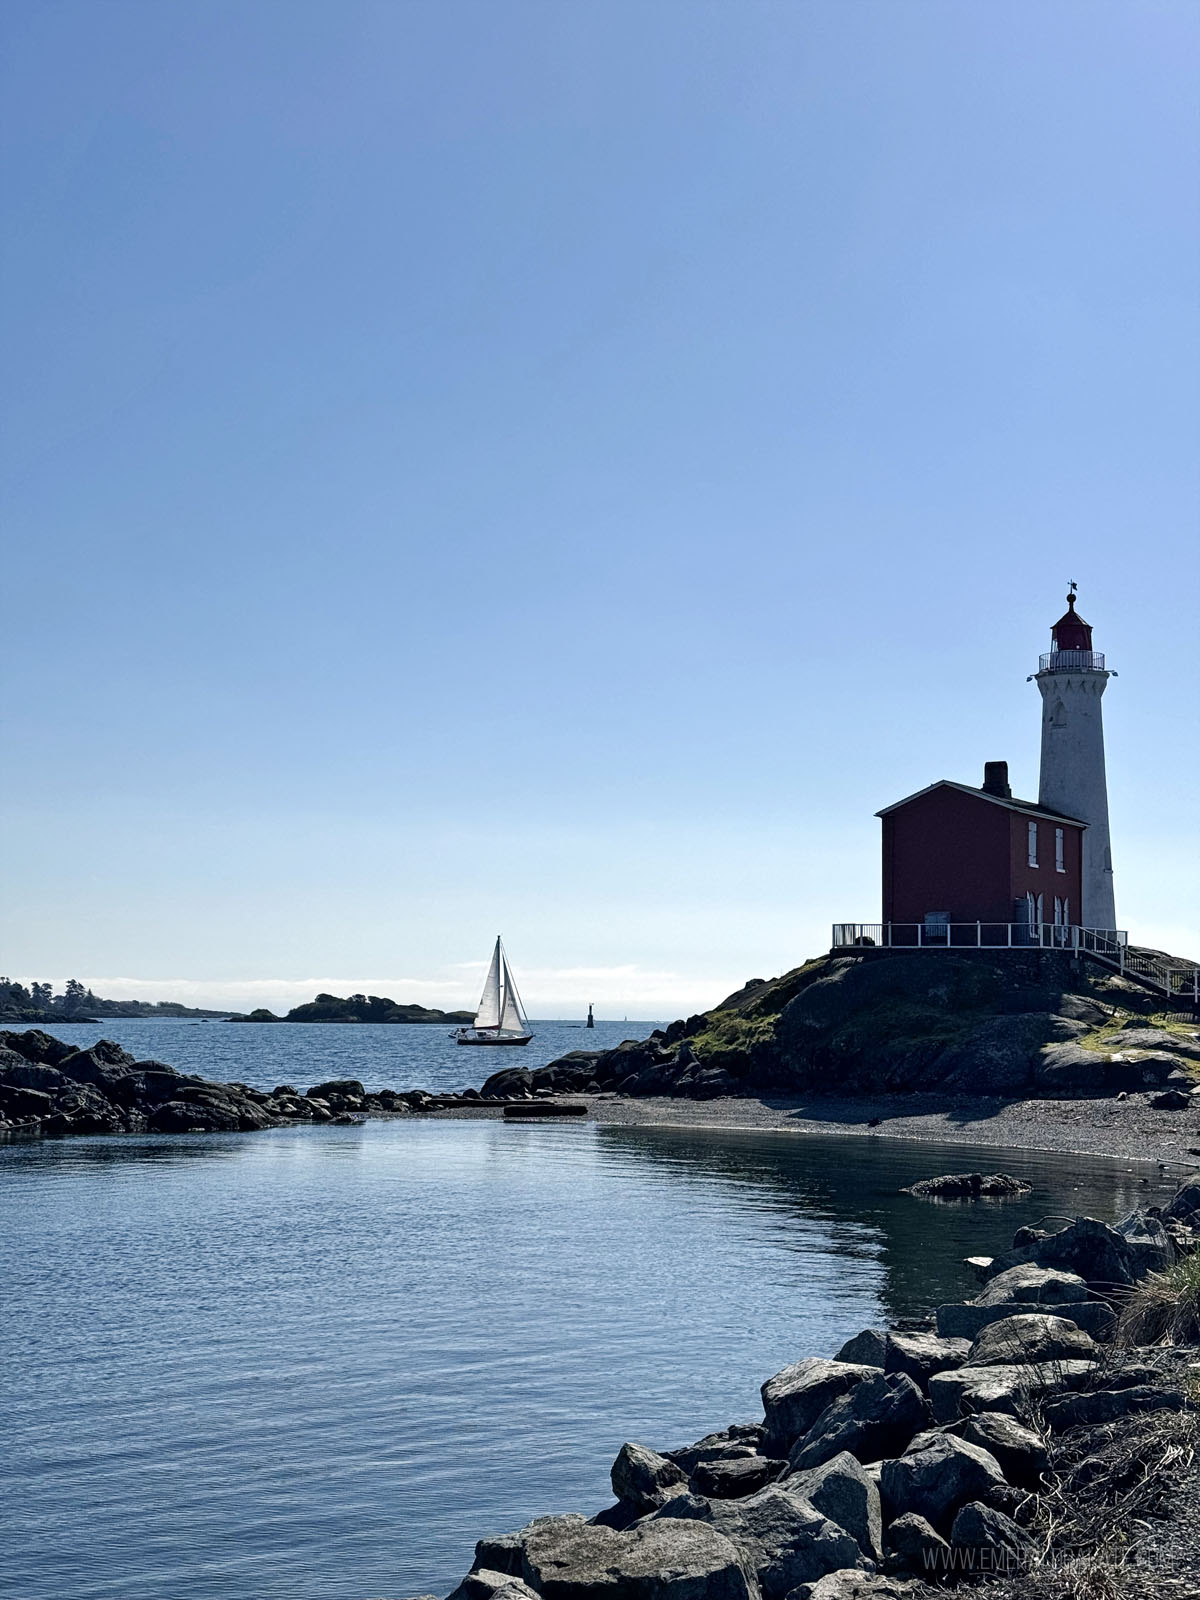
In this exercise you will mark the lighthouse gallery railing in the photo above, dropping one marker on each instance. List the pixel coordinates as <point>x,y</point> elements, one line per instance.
<point>1072,661</point>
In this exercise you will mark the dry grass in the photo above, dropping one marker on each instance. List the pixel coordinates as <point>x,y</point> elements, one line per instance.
<point>1120,1516</point>
<point>1164,1308</point>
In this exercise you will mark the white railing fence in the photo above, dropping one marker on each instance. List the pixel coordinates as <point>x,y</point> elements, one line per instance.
<point>1105,944</point>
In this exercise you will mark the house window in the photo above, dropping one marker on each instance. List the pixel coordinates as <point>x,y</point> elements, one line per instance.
<point>1033,844</point>
<point>1060,850</point>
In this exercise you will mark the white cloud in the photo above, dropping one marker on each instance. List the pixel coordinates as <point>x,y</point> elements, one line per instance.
<point>627,990</point>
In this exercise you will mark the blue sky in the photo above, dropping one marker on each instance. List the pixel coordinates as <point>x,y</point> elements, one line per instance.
<point>562,468</point>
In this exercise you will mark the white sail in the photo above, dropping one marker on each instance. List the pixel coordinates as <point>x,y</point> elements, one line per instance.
<point>512,1018</point>
<point>488,1015</point>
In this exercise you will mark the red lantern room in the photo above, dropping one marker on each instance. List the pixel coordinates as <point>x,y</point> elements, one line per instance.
<point>1071,632</point>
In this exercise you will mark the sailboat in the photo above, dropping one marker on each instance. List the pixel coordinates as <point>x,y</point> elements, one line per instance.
<point>501,1017</point>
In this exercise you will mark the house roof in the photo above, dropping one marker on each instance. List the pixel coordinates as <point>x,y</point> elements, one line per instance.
<point>1027,807</point>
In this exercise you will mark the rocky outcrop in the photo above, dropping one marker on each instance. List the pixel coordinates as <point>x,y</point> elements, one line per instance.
<point>1013,1024</point>
<point>51,1090</point>
<point>909,1459</point>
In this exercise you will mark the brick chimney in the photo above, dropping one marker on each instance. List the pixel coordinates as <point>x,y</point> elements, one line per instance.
<point>995,779</point>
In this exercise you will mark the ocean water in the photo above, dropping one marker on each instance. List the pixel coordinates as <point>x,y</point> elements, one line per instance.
<point>318,1363</point>
<point>379,1055</point>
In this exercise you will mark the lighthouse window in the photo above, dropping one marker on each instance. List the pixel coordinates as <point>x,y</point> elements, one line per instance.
<point>1033,844</point>
<point>1060,850</point>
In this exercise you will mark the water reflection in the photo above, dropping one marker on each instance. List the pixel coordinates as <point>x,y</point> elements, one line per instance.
<point>851,1184</point>
<point>324,1361</point>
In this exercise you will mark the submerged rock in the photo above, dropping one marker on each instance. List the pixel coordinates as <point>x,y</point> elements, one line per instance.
<point>967,1186</point>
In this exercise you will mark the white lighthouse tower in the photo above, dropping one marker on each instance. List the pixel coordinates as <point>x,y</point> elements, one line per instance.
<point>1072,680</point>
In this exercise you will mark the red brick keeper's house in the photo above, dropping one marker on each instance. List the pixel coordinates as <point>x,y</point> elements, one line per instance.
<point>955,855</point>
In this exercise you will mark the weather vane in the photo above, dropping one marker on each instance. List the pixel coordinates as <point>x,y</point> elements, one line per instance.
<point>1072,585</point>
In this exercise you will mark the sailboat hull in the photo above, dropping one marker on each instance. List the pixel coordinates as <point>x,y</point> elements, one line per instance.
<point>483,1038</point>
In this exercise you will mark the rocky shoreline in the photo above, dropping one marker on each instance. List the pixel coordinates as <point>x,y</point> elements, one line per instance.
<point>52,1090</point>
<point>1016,1441</point>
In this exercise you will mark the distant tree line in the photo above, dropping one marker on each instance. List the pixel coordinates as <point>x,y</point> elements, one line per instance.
<point>37,1002</point>
<point>40,999</point>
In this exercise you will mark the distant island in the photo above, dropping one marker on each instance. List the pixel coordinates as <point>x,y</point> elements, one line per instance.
<point>37,1002</point>
<point>356,1008</point>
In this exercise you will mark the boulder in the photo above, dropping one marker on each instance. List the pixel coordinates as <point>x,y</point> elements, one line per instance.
<point>657,1560</point>
<point>860,1586</point>
<point>1185,1205</point>
<point>190,1116</point>
<point>844,1492</point>
<point>80,1108</point>
<point>1021,1452</point>
<point>482,1583</point>
<point>1100,1255</point>
<point>1032,1337</point>
<point>733,1476</point>
<point>794,1398</point>
<point>17,1073</point>
<point>920,1355</point>
<point>1157,1040</point>
<point>967,1321</point>
<point>644,1480</point>
<point>500,1552</point>
<point>915,1545</point>
<point>986,1541</point>
<point>337,1088</point>
<point>1030,1283</point>
<point>742,1439</point>
<point>24,1105</point>
<point>510,1083</point>
<point>938,1475</point>
<point>1108,1405</point>
<point>865,1349</point>
<point>876,1418</point>
<point>35,1045</point>
<point>1011,1389</point>
<point>1067,1068</point>
<point>1171,1100</point>
<point>101,1064</point>
<point>782,1539</point>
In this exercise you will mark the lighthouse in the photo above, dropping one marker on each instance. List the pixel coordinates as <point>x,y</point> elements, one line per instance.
<point>1071,679</point>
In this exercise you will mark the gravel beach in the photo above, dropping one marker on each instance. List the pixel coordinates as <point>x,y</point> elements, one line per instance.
<point>1129,1129</point>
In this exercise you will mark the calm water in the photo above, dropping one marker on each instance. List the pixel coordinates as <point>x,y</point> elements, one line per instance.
<point>380,1055</point>
<point>318,1363</point>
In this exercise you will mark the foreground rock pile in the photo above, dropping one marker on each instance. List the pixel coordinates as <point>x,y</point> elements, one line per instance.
<point>51,1089</point>
<point>909,1458</point>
